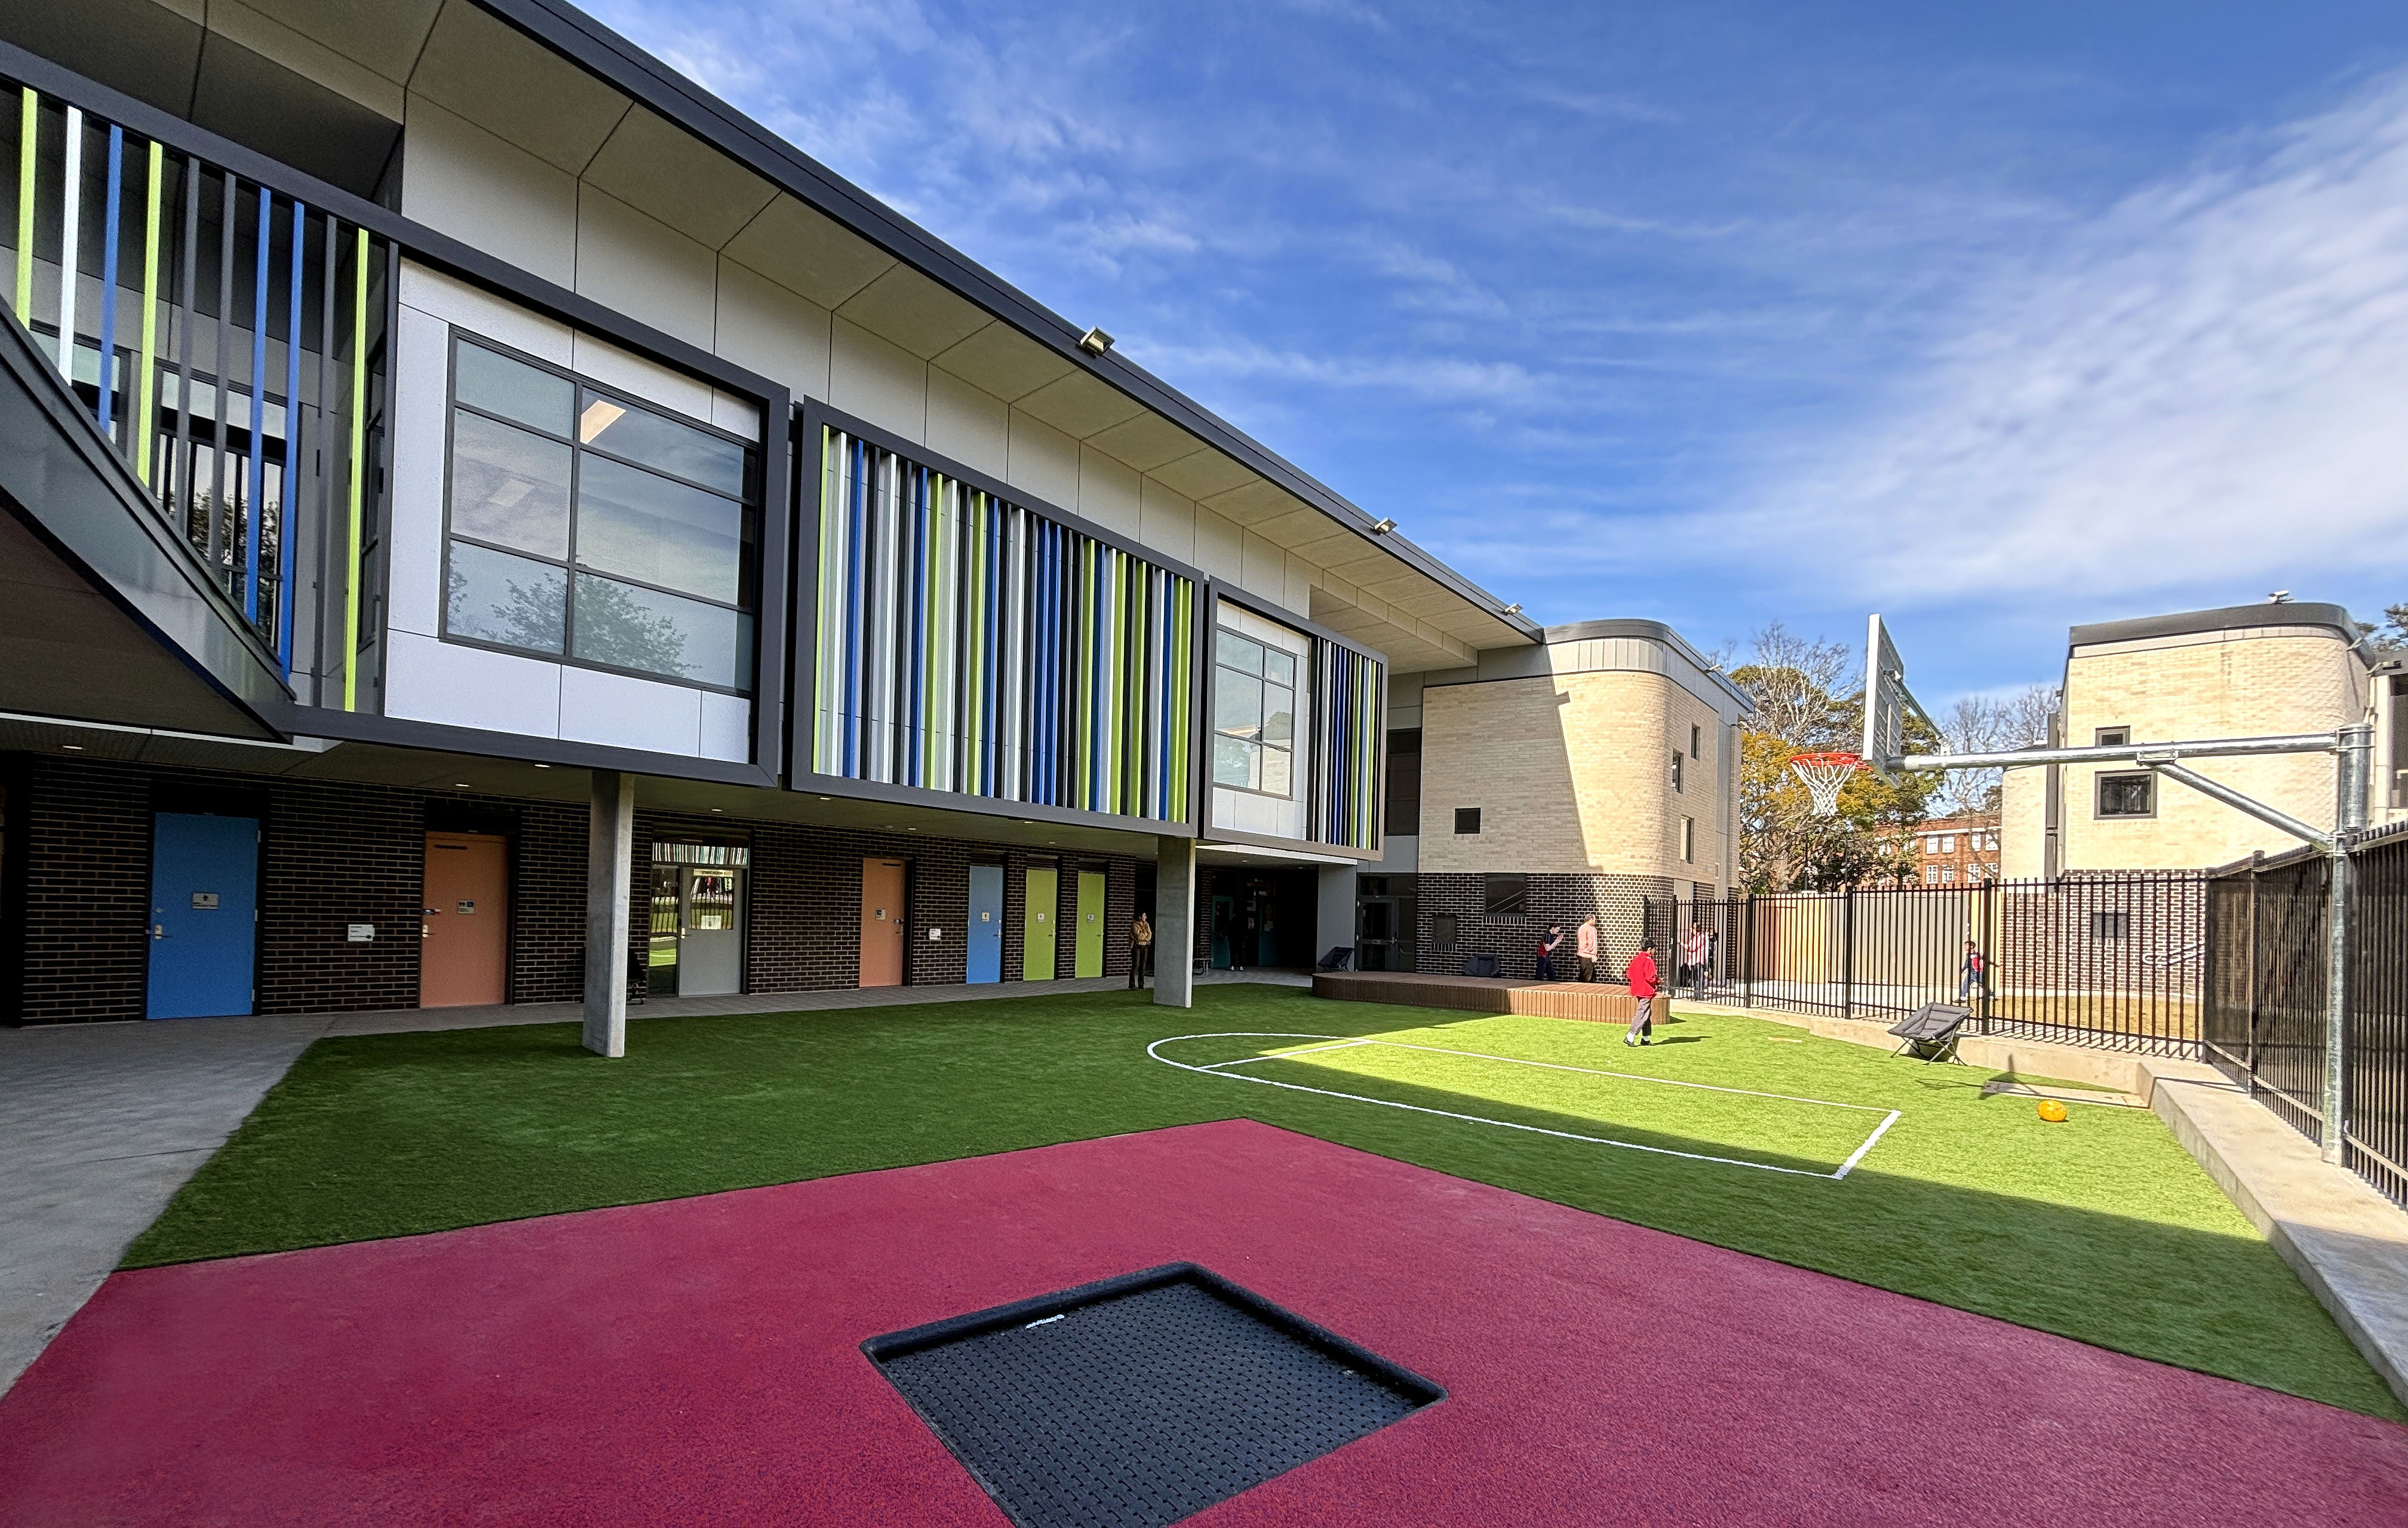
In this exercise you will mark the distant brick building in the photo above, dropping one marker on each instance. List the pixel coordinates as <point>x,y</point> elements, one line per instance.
<point>1957,851</point>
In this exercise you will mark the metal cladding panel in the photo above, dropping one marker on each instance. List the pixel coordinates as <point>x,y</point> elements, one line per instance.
<point>969,644</point>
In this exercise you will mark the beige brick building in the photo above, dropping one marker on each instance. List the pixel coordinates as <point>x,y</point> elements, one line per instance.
<point>1595,773</point>
<point>2247,671</point>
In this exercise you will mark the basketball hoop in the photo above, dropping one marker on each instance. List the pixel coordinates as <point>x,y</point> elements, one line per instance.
<point>1823,774</point>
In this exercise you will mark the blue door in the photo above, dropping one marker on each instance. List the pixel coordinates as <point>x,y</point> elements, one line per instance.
<point>986,923</point>
<point>203,914</point>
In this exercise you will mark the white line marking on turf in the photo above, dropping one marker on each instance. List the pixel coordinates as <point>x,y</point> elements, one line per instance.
<point>1213,1070</point>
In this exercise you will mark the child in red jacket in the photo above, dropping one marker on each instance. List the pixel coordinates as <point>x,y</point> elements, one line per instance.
<point>1642,979</point>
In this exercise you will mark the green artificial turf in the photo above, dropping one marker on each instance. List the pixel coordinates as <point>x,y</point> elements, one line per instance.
<point>2101,1228</point>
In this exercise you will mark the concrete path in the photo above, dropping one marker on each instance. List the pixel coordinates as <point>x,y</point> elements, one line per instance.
<point>101,1124</point>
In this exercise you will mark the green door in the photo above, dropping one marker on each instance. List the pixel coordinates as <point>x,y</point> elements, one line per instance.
<point>1037,936</point>
<point>1091,923</point>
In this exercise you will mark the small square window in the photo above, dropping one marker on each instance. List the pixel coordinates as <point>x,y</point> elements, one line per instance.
<point>1442,932</point>
<point>1947,844</point>
<point>1947,874</point>
<point>2127,796</point>
<point>1509,896</point>
<point>1466,819</point>
<point>2107,927</point>
<point>2113,737</point>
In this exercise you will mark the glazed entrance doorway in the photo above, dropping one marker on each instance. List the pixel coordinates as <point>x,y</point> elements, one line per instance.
<point>697,932</point>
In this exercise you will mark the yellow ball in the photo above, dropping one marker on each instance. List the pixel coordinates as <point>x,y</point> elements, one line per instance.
<point>2052,1111</point>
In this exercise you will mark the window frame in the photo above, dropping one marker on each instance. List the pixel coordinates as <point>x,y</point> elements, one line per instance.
<point>1680,773</point>
<point>1689,841</point>
<point>1464,815</point>
<point>2099,795</point>
<point>1212,724</point>
<point>751,574</point>
<point>1516,888</point>
<point>2111,737</point>
<point>1697,737</point>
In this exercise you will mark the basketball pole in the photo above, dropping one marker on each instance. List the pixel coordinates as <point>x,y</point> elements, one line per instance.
<point>2351,746</point>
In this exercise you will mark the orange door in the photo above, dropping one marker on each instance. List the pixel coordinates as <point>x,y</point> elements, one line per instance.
<point>464,929</point>
<point>881,923</point>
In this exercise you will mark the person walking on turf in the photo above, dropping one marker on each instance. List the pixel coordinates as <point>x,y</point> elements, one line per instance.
<point>1696,952</point>
<point>1140,951</point>
<point>1642,979</point>
<point>1584,947</point>
<point>1547,948</point>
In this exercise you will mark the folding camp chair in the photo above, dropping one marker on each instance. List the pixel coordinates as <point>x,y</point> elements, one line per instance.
<point>1338,958</point>
<point>1930,1034</point>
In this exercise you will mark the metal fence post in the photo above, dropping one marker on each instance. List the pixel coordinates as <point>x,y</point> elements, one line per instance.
<point>1987,945</point>
<point>1848,952</point>
<point>1747,957</point>
<point>2353,748</point>
<point>2256,857</point>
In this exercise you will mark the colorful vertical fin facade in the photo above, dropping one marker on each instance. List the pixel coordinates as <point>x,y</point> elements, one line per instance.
<point>969,644</point>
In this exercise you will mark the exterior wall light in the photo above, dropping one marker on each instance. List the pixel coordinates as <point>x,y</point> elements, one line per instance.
<point>1094,341</point>
<point>1382,526</point>
<point>1513,609</point>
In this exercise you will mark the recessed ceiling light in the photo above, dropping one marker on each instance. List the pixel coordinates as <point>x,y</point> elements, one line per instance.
<point>459,785</point>
<point>72,747</point>
<point>543,766</point>
<point>719,809</point>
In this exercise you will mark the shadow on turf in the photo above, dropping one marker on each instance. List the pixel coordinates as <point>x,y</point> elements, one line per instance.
<point>388,1135</point>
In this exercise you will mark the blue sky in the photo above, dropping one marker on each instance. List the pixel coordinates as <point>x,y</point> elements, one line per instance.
<point>1992,318</point>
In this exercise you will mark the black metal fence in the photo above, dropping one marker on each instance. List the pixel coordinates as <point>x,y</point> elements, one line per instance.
<point>2110,960</point>
<point>2270,982</point>
<point>2268,968</point>
<point>2375,1142</point>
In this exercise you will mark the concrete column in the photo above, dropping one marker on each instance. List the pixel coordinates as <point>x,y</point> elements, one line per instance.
<point>1334,915</point>
<point>610,862</point>
<point>1174,922</point>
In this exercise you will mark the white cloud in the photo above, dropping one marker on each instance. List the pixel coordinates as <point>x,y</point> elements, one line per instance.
<point>2207,385</point>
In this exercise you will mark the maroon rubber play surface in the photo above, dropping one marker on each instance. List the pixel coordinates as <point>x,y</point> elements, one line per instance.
<point>698,1362</point>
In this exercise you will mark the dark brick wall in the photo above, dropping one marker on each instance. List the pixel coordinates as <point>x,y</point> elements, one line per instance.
<point>331,856</point>
<point>87,887</point>
<point>548,904</point>
<point>1622,905</point>
<point>335,854</point>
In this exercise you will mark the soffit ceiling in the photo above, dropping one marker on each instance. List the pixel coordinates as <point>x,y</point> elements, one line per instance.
<point>462,58</point>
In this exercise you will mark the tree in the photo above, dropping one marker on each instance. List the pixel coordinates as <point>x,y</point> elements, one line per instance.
<point>1802,707</point>
<point>2392,635</point>
<point>1980,724</point>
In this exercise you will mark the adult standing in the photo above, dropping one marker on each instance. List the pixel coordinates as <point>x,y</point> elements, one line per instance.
<point>1140,951</point>
<point>1697,953</point>
<point>1643,978</point>
<point>1547,948</point>
<point>1585,948</point>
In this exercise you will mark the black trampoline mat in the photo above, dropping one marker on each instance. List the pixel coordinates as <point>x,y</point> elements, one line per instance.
<point>1141,1400</point>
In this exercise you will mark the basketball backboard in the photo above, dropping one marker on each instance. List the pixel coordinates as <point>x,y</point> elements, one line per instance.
<point>1887,701</point>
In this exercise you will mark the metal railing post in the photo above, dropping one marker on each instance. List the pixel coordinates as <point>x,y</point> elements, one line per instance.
<point>2353,749</point>
<point>1747,955</point>
<point>2256,857</point>
<point>1848,952</point>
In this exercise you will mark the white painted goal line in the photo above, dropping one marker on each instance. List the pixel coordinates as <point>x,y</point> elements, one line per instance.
<point>1219,1069</point>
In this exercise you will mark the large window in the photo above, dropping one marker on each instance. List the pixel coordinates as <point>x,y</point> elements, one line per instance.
<point>1254,715</point>
<point>587,527</point>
